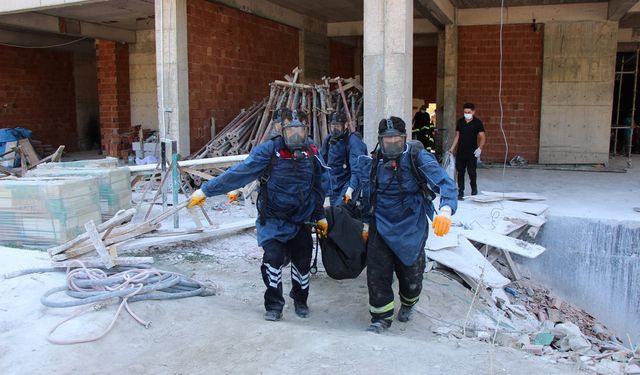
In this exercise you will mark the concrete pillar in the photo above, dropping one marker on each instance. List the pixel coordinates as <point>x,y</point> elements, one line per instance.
<point>388,63</point>
<point>172,72</point>
<point>449,114</point>
<point>313,49</point>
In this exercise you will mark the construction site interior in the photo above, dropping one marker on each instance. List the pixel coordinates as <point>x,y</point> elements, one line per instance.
<point>113,113</point>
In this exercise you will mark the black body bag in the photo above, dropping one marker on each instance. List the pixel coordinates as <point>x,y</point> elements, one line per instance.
<point>344,253</point>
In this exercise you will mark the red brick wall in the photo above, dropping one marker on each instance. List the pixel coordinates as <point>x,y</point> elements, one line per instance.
<point>37,92</point>
<point>232,58</point>
<point>341,59</point>
<point>112,61</point>
<point>478,73</point>
<point>425,71</point>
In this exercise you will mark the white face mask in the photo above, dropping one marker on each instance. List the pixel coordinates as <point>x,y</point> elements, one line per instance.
<point>468,116</point>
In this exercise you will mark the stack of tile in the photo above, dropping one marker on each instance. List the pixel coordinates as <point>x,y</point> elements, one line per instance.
<point>40,212</point>
<point>114,183</point>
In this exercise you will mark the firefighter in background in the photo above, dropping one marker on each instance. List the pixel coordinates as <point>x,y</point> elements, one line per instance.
<point>340,151</point>
<point>291,194</point>
<point>423,129</point>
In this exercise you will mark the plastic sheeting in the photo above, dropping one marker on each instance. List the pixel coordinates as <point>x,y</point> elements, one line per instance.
<point>41,212</point>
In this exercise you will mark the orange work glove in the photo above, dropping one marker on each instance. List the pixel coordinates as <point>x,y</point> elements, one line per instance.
<point>196,199</point>
<point>347,195</point>
<point>322,228</point>
<point>365,232</point>
<point>233,195</point>
<point>442,222</point>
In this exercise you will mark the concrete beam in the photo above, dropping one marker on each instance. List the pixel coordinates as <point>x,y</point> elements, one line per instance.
<point>21,6</point>
<point>274,12</point>
<point>628,36</point>
<point>541,13</point>
<point>442,10</point>
<point>618,8</point>
<point>22,38</point>
<point>66,26</point>
<point>355,28</point>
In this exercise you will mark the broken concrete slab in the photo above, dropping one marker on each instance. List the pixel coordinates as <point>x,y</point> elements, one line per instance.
<point>466,259</point>
<point>510,244</point>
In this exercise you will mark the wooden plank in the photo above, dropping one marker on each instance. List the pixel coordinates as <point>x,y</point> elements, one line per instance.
<point>114,221</point>
<point>466,259</point>
<point>198,173</point>
<point>135,232</point>
<point>512,265</point>
<point>97,262</point>
<point>106,259</point>
<point>28,151</point>
<point>507,243</point>
<point>475,285</point>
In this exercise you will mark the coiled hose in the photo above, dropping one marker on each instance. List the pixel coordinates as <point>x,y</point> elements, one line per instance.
<point>95,287</point>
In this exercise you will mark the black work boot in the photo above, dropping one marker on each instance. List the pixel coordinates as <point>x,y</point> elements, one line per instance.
<point>302,310</point>
<point>379,326</point>
<point>460,197</point>
<point>273,315</point>
<point>404,314</point>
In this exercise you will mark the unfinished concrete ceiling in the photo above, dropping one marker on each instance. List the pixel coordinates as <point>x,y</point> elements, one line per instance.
<point>328,10</point>
<point>124,14</point>
<point>513,3</point>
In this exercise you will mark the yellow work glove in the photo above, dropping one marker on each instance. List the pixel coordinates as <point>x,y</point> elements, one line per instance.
<point>322,228</point>
<point>347,195</point>
<point>442,222</point>
<point>197,199</point>
<point>365,232</point>
<point>233,195</point>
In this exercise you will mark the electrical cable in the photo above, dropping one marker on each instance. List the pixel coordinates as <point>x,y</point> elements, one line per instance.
<point>50,46</point>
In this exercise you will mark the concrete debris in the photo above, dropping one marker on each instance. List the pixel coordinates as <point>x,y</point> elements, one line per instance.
<point>570,338</point>
<point>533,349</point>
<point>632,369</point>
<point>608,367</point>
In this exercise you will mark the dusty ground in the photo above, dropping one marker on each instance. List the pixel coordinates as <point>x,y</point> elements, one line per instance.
<point>226,334</point>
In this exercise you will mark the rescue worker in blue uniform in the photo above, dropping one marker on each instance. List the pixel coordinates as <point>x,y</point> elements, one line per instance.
<point>398,220</point>
<point>340,152</point>
<point>291,195</point>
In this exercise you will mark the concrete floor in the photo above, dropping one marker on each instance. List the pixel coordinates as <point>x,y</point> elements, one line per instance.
<point>598,195</point>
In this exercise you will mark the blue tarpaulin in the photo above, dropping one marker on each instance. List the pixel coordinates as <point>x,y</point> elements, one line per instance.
<point>12,135</point>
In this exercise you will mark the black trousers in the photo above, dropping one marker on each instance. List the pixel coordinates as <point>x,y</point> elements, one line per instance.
<point>299,250</point>
<point>469,164</point>
<point>381,264</point>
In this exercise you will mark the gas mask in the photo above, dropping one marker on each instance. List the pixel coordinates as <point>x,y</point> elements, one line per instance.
<point>295,135</point>
<point>336,129</point>
<point>392,142</point>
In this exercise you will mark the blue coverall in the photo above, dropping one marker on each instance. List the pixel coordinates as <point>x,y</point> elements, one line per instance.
<point>294,196</point>
<point>341,155</point>
<point>398,226</point>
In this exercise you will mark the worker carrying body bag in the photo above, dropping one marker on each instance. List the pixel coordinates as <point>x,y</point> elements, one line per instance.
<point>344,253</point>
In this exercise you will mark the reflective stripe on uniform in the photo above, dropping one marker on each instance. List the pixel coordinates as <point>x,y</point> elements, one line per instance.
<point>381,310</point>
<point>274,275</point>
<point>303,280</point>
<point>409,301</point>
